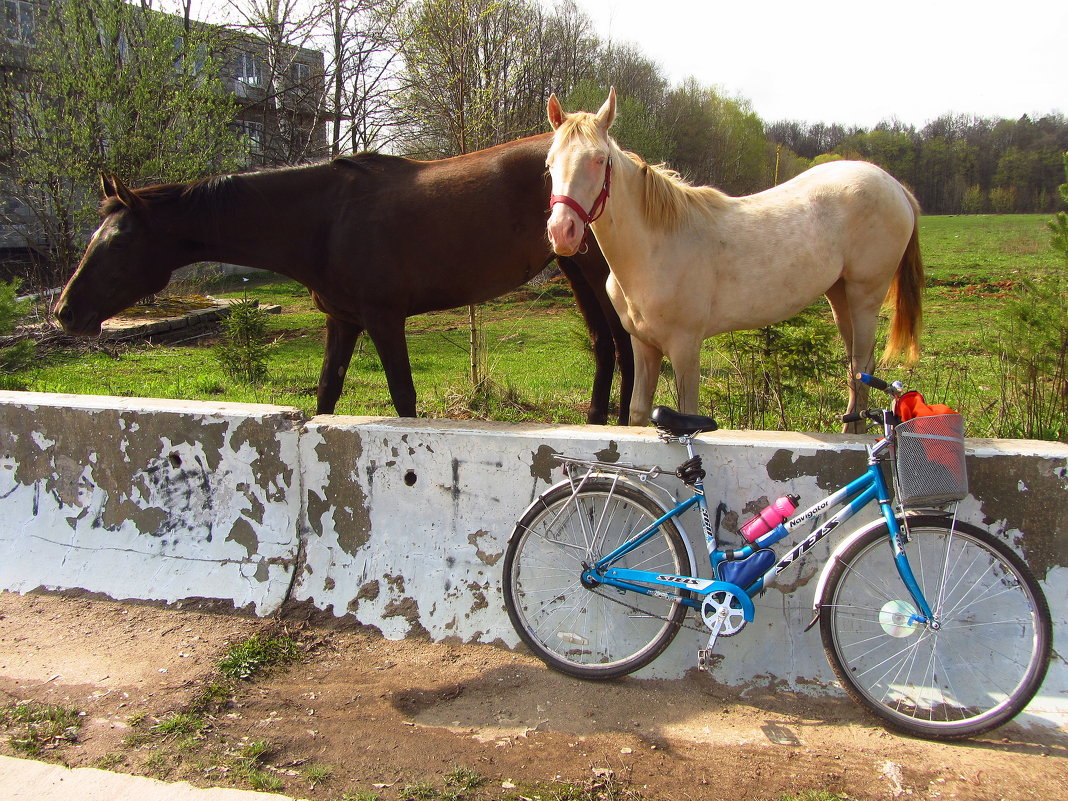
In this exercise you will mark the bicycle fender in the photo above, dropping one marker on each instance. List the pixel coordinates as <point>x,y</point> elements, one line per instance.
<point>622,480</point>
<point>821,584</point>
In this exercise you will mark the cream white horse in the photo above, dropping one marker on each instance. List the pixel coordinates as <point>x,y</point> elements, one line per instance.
<point>689,262</point>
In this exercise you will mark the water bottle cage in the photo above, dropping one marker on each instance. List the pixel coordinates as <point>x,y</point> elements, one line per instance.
<point>691,471</point>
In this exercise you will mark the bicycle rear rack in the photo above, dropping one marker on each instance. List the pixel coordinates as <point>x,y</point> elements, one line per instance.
<point>594,466</point>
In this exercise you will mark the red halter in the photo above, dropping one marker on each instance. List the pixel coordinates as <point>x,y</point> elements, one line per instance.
<point>598,205</point>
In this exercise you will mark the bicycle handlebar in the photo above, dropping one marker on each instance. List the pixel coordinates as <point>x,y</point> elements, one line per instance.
<point>877,383</point>
<point>875,415</point>
<point>882,416</point>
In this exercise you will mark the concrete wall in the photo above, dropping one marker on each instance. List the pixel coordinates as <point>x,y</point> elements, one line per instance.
<point>149,499</point>
<point>402,524</point>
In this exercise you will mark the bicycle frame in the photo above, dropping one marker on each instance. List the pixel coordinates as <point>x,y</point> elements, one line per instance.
<point>852,498</point>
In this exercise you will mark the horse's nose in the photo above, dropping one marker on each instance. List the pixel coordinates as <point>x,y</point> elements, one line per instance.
<point>564,234</point>
<point>63,313</point>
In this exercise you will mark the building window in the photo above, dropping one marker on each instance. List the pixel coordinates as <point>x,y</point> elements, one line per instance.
<point>20,20</point>
<point>299,74</point>
<point>254,133</point>
<point>296,139</point>
<point>248,69</point>
<point>189,63</point>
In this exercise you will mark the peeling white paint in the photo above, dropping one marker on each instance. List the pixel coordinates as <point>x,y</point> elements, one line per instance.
<point>41,441</point>
<point>76,529</point>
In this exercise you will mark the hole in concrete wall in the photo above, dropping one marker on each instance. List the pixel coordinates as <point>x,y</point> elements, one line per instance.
<point>175,460</point>
<point>410,478</point>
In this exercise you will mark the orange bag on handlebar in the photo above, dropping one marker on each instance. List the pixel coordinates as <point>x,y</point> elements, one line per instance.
<point>911,404</point>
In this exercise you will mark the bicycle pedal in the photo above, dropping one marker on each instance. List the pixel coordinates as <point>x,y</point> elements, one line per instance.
<point>704,659</point>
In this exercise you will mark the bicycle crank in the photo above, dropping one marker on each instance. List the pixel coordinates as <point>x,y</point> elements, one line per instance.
<point>724,618</point>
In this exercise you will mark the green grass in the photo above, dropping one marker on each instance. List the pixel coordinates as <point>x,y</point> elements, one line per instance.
<point>256,655</point>
<point>541,368</point>
<point>972,263</point>
<point>180,723</point>
<point>33,727</point>
<point>531,342</point>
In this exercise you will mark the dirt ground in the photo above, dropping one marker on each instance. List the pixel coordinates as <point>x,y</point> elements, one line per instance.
<point>396,719</point>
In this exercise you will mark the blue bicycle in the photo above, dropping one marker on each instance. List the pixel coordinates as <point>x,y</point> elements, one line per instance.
<point>931,623</point>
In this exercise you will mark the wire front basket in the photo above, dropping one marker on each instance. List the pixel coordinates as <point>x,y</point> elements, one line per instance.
<point>929,462</point>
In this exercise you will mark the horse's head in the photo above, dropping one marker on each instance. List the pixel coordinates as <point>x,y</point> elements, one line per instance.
<point>127,259</point>
<point>580,166</point>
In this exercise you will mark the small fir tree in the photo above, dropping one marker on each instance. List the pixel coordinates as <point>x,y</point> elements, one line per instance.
<point>244,349</point>
<point>1035,330</point>
<point>20,353</point>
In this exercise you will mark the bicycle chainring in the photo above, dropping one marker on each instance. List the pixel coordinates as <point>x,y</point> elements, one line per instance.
<point>723,609</point>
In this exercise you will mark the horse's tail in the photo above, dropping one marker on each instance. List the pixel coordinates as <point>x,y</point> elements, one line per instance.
<point>906,297</point>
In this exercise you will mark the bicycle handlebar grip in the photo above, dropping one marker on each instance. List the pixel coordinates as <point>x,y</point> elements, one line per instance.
<point>872,381</point>
<point>852,418</point>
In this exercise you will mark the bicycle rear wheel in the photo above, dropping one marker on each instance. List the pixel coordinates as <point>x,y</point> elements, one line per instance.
<point>597,632</point>
<point>977,670</point>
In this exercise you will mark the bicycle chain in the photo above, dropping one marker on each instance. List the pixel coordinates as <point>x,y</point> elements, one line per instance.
<point>682,625</point>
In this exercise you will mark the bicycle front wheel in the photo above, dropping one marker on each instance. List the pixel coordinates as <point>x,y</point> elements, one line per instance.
<point>981,665</point>
<point>597,632</point>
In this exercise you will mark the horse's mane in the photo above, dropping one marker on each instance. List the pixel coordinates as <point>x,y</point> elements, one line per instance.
<point>206,196</point>
<point>668,199</point>
<point>366,160</point>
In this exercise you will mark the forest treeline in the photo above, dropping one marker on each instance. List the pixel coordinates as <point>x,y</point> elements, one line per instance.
<point>956,164</point>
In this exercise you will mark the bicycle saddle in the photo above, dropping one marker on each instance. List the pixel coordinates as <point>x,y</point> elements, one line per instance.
<point>678,424</point>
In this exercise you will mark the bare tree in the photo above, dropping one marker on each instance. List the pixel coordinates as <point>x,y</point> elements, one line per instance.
<point>477,73</point>
<point>359,36</point>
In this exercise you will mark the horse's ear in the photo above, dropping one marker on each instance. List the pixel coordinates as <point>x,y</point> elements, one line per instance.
<point>124,193</point>
<point>607,114</point>
<point>107,185</point>
<point>556,112</point>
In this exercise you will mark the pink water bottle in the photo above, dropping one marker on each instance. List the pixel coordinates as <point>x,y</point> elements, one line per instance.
<point>770,516</point>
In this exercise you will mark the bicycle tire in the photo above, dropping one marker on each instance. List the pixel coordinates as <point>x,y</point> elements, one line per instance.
<point>598,632</point>
<point>983,664</point>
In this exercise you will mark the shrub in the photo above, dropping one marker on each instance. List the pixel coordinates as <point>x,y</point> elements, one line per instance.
<point>1034,333</point>
<point>244,349</point>
<point>974,201</point>
<point>16,354</point>
<point>776,377</point>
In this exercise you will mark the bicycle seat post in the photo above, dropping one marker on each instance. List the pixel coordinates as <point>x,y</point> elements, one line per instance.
<point>687,441</point>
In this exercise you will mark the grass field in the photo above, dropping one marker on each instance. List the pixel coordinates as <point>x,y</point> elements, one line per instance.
<point>540,363</point>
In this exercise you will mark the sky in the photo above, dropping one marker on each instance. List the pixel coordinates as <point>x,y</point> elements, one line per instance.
<point>857,63</point>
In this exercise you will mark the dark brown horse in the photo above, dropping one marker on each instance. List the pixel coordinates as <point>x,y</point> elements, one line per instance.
<point>375,238</point>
